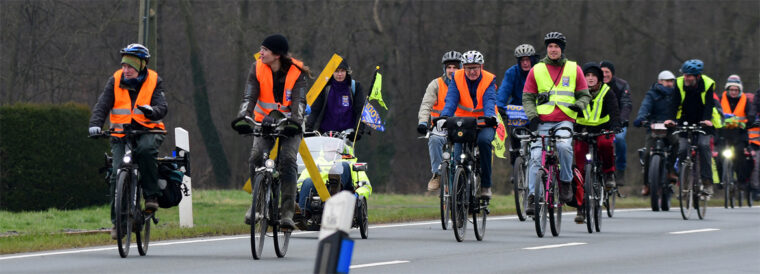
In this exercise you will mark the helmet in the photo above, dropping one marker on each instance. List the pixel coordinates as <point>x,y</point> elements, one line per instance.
<point>136,50</point>
<point>524,50</point>
<point>555,37</point>
<point>452,56</point>
<point>473,57</point>
<point>666,75</point>
<point>693,66</point>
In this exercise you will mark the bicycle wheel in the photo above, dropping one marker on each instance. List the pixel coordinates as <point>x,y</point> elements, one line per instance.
<point>555,206</point>
<point>685,183</point>
<point>478,211</point>
<point>588,201</point>
<point>520,189</point>
<point>259,222</point>
<point>748,193</point>
<point>444,195</point>
<point>610,201</point>
<point>700,201</point>
<point>459,202</point>
<point>653,179</point>
<point>728,190</point>
<point>281,238</point>
<point>599,194</point>
<point>142,231</point>
<point>123,209</point>
<point>539,202</point>
<point>364,218</point>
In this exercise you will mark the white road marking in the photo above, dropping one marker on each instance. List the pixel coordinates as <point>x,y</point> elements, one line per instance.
<point>553,246</point>
<point>694,231</point>
<point>377,264</point>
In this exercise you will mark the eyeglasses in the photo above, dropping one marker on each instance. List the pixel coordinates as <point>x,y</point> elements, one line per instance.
<point>472,68</point>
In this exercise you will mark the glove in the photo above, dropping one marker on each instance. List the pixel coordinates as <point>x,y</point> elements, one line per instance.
<point>146,109</point>
<point>291,128</point>
<point>575,108</point>
<point>422,128</point>
<point>94,131</point>
<point>491,121</point>
<point>241,126</point>
<point>637,122</point>
<point>268,121</point>
<point>533,125</point>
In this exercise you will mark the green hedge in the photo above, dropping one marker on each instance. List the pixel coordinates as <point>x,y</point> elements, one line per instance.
<point>46,159</point>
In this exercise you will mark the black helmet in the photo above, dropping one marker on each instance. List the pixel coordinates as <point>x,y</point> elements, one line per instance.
<point>136,50</point>
<point>592,67</point>
<point>555,37</point>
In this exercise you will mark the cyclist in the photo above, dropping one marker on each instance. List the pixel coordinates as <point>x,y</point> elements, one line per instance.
<point>691,103</point>
<point>754,140</point>
<point>473,94</point>
<point>555,91</point>
<point>276,81</point>
<point>511,89</point>
<point>741,113</point>
<point>655,109</point>
<point>339,106</point>
<point>622,91</point>
<point>601,113</point>
<point>432,104</point>
<point>134,96</point>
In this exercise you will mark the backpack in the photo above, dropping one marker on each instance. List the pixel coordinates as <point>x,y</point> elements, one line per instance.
<point>170,183</point>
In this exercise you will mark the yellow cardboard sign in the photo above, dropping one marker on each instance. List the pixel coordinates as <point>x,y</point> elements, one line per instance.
<point>324,76</point>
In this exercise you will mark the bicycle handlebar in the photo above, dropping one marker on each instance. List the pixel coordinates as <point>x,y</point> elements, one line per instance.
<point>109,133</point>
<point>688,128</point>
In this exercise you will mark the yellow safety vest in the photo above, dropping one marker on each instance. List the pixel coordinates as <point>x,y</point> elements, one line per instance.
<point>562,95</point>
<point>591,115</point>
<point>716,119</point>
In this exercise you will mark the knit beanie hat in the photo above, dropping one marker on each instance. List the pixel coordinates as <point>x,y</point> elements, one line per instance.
<point>133,61</point>
<point>734,80</point>
<point>609,65</point>
<point>277,43</point>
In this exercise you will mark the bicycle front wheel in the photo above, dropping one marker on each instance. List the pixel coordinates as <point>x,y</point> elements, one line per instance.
<point>555,206</point>
<point>478,210</point>
<point>610,201</point>
<point>123,214</point>
<point>653,177</point>
<point>589,202</point>
<point>685,184</point>
<point>520,188</point>
<point>444,194</point>
<point>700,201</point>
<point>459,204</point>
<point>281,238</point>
<point>259,222</point>
<point>599,194</point>
<point>539,203</point>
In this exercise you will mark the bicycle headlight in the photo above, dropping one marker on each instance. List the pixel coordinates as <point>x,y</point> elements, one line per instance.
<point>588,156</point>
<point>269,163</point>
<point>127,159</point>
<point>728,154</point>
<point>462,156</point>
<point>446,155</point>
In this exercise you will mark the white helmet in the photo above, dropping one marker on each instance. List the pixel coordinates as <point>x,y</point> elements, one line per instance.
<point>524,50</point>
<point>473,57</point>
<point>666,75</point>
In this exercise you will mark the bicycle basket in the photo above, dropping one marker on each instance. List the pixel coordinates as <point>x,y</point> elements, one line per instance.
<point>462,129</point>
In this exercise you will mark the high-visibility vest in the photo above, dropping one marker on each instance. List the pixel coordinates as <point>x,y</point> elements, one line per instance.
<point>561,96</point>
<point>266,102</point>
<point>739,113</point>
<point>123,112</point>
<point>441,102</point>
<point>754,135</point>
<point>593,112</point>
<point>716,117</point>
<point>466,108</point>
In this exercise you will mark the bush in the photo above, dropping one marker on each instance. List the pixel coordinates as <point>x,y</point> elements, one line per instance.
<point>46,159</point>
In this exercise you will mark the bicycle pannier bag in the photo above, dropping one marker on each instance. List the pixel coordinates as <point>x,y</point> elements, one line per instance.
<point>462,129</point>
<point>173,189</point>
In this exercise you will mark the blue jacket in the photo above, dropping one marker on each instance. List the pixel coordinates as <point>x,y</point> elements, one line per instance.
<point>511,89</point>
<point>489,97</point>
<point>656,104</point>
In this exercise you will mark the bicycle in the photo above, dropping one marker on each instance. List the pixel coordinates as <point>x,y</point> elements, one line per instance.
<point>466,183</point>
<point>593,186</point>
<point>547,194</point>
<point>690,194</point>
<point>266,195</point>
<point>519,180</point>
<point>445,172</point>
<point>130,216</point>
<point>733,190</point>
<point>656,168</point>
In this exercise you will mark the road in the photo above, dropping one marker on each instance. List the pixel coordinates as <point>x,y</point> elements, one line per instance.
<point>634,241</point>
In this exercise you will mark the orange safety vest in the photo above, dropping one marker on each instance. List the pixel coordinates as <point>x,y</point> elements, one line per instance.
<point>123,112</point>
<point>741,116</point>
<point>466,108</point>
<point>266,102</point>
<point>442,91</point>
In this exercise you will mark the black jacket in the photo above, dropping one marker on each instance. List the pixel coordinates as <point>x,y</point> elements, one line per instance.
<point>623,93</point>
<point>315,118</point>
<point>693,110</point>
<point>102,109</point>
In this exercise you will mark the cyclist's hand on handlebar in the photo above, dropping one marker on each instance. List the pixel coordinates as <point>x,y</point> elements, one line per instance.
<point>291,128</point>
<point>533,125</point>
<point>706,123</point>
<point>241,126</point>
<point>422,128</point>
<point>490,121</point>
<point>94,131</point>
<point>670,123</point>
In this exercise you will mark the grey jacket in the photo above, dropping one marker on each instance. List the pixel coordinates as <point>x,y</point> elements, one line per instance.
<point>252,89</point>
<point>102,109</point>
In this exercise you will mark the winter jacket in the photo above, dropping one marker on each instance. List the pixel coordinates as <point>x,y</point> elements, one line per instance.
<point>511,89</point>
<point>314,120</point>
<point>252,89</point>
<point>622,91</point>
<point>693,110</point>
<point>656,105</point>
<point>102,109</point>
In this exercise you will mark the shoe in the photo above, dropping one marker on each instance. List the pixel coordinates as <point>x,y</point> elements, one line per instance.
<point>580,218</point>
<point>565,192</point>
<point>287,224</point>
<point>620,175</point>
<point>485,192</point>
<point>151,204</point>
<point>248,215</point>
<point>708,189</point>
<point>530,208</point>
<point>434,182</point>
<point>113,233</point>
<point>609,180</point>
<point>645,190</point>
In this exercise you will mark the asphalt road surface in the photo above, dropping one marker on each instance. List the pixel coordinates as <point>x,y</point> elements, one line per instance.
<point>634,241</point>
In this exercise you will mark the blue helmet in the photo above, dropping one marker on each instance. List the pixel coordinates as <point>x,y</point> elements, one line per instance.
<point>693,66</point>
<point>136,50</point>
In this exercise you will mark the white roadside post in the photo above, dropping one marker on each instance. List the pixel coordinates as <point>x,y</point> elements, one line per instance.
<point>335,247</point>
<point>182,140</point>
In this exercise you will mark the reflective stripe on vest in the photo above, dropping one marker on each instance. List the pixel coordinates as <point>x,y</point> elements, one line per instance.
<point>442,91</point>
<point>266,102</point>
<point>466,108</point>
<point>754,135</point>
<point>561,96</point>
<point>123,113</point>
<point>738,112</point>
<point>591,115</point>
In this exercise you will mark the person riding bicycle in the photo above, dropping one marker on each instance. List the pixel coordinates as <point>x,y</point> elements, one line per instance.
<point>656,109</point>
<point>276,81</point>
<point>134,96</point>
<point>740,113</point>
<point>432,104</point>
<point>511,89</point>
<point>622,91</point>
<point>473,94</point>
<point>555,91</point>
<point>602,113</point>
<point>692,103</point>
<point>339,106</point>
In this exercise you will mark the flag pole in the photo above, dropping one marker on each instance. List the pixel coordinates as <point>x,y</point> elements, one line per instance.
<point>366,101</point>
